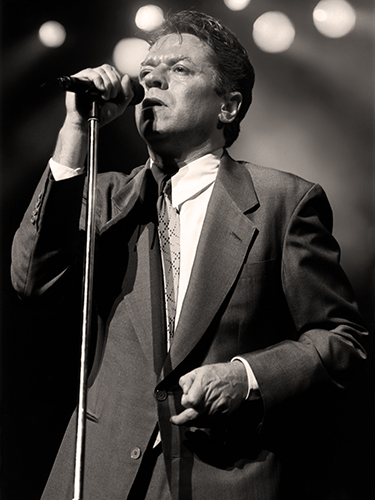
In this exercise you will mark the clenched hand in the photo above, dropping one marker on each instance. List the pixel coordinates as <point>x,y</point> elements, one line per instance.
<point>211,391</point>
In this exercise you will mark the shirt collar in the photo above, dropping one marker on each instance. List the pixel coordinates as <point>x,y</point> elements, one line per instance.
<point>195,177</point>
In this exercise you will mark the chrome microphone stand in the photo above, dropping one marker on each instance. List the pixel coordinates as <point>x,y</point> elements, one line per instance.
<point>87,295</point>
<point>86,87</point>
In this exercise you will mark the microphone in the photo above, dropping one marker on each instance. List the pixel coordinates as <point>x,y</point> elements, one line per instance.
<point>79,86</point>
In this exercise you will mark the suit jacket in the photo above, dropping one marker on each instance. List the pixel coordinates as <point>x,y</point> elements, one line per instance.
<point>266,284</point>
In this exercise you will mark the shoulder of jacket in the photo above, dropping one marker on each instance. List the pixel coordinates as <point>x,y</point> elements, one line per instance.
<point>280,188</point>
<point>273,177</point>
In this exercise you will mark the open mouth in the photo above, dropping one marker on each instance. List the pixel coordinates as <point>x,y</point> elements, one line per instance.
<point>151,102</point>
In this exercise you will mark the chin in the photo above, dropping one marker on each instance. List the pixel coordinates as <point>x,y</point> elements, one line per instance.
<point>147,130</point>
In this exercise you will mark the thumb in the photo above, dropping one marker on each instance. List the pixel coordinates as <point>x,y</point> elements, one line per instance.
<point>127,88</point>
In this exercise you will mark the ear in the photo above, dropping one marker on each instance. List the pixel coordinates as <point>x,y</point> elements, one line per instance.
<point>230,107</point>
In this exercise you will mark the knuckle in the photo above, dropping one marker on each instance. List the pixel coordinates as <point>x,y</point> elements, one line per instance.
<point>187,400</point>
<point>190,414</point>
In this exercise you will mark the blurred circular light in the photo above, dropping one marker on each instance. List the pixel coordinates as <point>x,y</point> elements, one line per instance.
<point>273,32</point>
<point>334,18</point>
<point>52,34</point>
<point>128,55</point>
<point>149,17</point>
<point>236,4</point>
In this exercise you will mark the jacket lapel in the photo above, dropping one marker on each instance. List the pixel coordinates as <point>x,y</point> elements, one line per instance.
<point>125,199</point>
<point>144,300</point>
<point>226,238</point>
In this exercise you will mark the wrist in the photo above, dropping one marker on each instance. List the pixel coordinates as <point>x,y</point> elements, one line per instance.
<point>71,146</point>
<point>241,379</point>
<point>72,128</point>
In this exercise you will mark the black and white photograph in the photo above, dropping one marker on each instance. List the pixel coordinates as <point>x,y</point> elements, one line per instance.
<point>187,227</point>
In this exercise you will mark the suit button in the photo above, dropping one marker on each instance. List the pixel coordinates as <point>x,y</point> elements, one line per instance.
<point>161,395</point>
<point>135,453</point>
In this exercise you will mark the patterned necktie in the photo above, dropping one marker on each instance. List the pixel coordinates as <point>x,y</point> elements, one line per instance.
<point>169,238</point>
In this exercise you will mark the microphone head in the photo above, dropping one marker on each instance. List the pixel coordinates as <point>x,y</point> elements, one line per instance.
<point>139,92</point>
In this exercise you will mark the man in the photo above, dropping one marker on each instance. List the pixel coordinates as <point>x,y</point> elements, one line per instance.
<point>201,382</point>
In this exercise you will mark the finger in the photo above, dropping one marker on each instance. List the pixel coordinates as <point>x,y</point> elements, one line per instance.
<point>193,396</point>
<point>185,417</point>
<point>111,80</point>
<point>91,74</point>
<point>186,381</point>
<point>126,88</point>
<point>105,78</point>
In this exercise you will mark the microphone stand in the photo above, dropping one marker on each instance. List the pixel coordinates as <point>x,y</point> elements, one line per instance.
<point>87,294</point>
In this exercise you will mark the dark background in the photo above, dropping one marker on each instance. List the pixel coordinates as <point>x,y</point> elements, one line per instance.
<point>313,115</point>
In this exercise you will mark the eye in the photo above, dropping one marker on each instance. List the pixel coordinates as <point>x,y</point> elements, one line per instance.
<point>180,69</point>
<point>144,73</point>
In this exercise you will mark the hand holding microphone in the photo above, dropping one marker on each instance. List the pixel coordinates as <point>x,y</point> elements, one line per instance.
<point>86,87</point>
<point>116,93</point>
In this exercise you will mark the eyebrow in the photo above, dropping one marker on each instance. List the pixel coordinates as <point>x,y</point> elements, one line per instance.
<point>172,60</point>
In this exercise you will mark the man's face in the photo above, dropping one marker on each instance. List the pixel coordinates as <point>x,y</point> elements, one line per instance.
<point>181,107</point>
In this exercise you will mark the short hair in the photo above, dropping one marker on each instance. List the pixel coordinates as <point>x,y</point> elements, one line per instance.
<point>232,64</point>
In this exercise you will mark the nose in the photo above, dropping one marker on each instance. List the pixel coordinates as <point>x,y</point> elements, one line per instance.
<point>156,78</point>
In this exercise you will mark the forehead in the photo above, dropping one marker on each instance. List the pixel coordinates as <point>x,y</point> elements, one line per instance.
<point>180,46</point>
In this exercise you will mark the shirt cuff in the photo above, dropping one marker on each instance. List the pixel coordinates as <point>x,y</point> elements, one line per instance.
<point>62,172</point>
<point>253,388</point>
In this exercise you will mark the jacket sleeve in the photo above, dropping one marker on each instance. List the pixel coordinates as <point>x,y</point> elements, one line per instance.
<point>328,352</point>
<point>46,244</point>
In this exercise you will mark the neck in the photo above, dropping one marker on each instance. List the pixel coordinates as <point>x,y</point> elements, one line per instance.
<point>171,159</point>
<point>171,162</point>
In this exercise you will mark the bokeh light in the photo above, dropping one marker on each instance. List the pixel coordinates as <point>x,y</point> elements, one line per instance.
<point>236,4</point>
<point>128,55</point>
<point>273,32</point>
<point>334,18</point>
<point>52,34</point>
<point>149,17</point>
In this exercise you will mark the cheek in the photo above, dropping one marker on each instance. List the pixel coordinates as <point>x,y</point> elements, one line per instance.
<point>202,105</point>
<point>206,111</point>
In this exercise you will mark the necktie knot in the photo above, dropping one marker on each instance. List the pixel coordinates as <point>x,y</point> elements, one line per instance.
<point>167,190</point>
